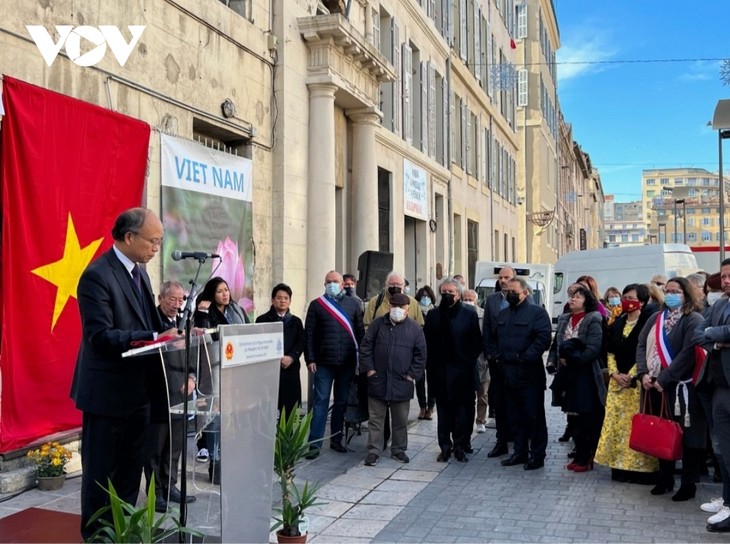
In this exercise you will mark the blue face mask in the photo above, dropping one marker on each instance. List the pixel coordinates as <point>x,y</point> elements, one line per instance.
<point>425,301</point>
<point>614,301</point>
<point>333,289</point>
<point>673,300</point>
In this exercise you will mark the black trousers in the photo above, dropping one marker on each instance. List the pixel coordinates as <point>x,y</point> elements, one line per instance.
<point>165,448</point>
<point>455,422</point>
<point>586,433</point>
<point>498,402</point>
<point>112,448</point>
<point>526,412</point>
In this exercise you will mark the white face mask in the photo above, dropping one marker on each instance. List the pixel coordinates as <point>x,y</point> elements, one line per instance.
<point>469,302</point>
<point>398,314</point>
<point>713,297</point>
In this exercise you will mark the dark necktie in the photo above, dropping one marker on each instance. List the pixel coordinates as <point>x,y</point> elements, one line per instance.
<point>137,277</point>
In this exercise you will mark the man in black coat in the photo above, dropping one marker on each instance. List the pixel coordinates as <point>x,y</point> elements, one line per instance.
<point>453,341</point>
<point>117,307</point>
<point>522,336</point>
<point>714,381</point>
<point>334,329</point>
<point>494,304</point>
<point>393,357</point>
<point>168,430</point>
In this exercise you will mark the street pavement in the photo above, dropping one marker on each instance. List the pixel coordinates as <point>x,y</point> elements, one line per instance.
<point>478,501</point>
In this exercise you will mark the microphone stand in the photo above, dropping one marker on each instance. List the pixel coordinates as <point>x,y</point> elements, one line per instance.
<point>185,323</point>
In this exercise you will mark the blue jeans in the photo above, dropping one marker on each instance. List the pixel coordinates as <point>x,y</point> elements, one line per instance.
<point>325,376</point>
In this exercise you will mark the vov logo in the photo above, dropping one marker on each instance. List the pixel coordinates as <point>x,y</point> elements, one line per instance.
<point>71,37</point>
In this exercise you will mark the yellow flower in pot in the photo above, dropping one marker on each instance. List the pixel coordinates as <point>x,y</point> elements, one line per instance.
<point>50,460</point>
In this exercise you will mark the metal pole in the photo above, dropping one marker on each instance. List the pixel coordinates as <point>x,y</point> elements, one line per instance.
<point>674,240</point>
<point>721,180</point>
<point>684,222</point>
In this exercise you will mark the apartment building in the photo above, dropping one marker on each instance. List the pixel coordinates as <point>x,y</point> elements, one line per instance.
<point>682,205</point>
<point>624,223</point>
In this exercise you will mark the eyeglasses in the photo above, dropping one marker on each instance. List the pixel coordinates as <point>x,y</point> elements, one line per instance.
<point>156,242</point>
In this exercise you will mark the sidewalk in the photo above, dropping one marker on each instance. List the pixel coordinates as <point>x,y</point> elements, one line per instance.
<point>478,501</point>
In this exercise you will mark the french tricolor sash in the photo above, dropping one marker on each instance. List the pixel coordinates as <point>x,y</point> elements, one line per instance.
<point>664,350</point>
<point>336,311</point>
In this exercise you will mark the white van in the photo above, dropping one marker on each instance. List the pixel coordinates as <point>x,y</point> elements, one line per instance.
<point>538,276</point>
<point>619,266</point>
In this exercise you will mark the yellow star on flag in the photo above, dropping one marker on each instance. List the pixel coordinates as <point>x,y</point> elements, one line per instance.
<point>65,273</point>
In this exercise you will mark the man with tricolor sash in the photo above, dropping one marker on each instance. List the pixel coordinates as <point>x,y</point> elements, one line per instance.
<point>334,330</point>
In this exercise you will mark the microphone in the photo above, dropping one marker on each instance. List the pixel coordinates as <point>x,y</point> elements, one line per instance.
<point>178,255</point>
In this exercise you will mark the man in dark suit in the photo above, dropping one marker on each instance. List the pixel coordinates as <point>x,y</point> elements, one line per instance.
<point>494,304</point>
<point>715,378</point>
<point>168,429</point>
<point>117,307</point>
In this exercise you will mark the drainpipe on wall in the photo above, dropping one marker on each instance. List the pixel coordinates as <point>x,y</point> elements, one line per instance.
<point>449,203</point>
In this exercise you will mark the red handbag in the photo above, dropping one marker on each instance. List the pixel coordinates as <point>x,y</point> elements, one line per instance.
<point>658,436</point>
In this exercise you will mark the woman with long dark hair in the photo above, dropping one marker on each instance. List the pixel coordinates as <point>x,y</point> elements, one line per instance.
<point>665,360</point>
<point>576,353</point>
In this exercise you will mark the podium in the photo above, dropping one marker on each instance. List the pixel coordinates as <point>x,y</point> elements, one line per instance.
<point>236,396</point>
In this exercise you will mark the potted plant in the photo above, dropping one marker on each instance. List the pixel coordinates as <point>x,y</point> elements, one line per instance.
<point>50,460</point>
<point>291,445</point>
<point>136,525</point>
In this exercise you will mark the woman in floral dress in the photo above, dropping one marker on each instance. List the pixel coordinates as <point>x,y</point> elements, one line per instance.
<point>622,402</point>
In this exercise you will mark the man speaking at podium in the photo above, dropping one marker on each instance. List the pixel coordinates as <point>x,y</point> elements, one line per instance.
<point>117,307</point>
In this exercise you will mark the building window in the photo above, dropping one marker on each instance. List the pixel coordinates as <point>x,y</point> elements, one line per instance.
<point>678,181</point>
<point>472,248</point>
<point>691,181</point>
<point>691,237</point>
<point>384,178</point>
<point>706,222</point>
<point>706,236</point>
<point>651,182</point>
<point>242,7</point>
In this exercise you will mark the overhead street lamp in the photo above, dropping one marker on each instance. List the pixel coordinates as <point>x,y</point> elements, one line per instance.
<point>721,123</point>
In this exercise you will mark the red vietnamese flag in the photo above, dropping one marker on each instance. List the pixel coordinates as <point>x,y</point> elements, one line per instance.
<point>68,169</point>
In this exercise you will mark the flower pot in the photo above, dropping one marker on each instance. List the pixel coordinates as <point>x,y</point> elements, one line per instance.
<point>283,539</point>
<point>50,483</point>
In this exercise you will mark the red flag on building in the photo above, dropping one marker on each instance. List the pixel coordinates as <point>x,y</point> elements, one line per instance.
<point>67,169</point>
<point>512,44</point>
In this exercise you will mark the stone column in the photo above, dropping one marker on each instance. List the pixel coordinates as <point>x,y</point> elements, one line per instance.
<point>321,227</point>
<point>364,225</point>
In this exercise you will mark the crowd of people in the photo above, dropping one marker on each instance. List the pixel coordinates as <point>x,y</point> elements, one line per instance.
<point>636,347</point>
<point>639,347</point>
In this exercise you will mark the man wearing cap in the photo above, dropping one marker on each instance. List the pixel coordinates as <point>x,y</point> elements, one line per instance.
<point>393,357</point>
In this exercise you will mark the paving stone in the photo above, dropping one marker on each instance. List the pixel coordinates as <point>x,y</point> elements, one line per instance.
<point>357,528</point>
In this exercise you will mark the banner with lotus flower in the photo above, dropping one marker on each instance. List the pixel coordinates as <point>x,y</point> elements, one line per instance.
<point>207,205</point>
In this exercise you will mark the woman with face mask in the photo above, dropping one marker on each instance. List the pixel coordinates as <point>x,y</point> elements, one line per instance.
<point>575,353</point>
<point>425,298</point>
<point>665,360</point>
<point>622,401</point>
<point>612,298</point>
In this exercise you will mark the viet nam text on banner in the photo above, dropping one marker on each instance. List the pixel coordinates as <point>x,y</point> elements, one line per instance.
<point>207,206</point>
<point>68,169</point>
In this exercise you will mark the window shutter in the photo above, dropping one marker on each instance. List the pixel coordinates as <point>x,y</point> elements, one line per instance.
<point>398,83</point>
<point>462,29</point>
<point>432,8</point>
<point>431,110</point>
<point>490,61</point>
<point>445,129</point>
<point>447,22</point>
<point>407,90</point>
<point>477,43</point>
<point>521,21</point>
<point>424,108</point>
<point>522,88</point>
<point>376,29</point>
<point>451,128</point>
<point>463,134</point>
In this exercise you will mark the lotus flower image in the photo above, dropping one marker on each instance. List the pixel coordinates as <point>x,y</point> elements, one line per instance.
<point>231,268</point>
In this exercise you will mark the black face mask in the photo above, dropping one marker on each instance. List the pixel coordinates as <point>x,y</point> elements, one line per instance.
<point>349,291</point>
<point>447,300</point>
<point>394,290</point>
<point>513,299</point>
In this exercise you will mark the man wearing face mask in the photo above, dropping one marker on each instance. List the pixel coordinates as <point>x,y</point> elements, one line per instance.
<point>380,305</point>
<point>334,330</point>
<point>453,339</point>
<point>349,285</point>
<point>494,304</point>
<point>520,339</point>
<point>393,357</point>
